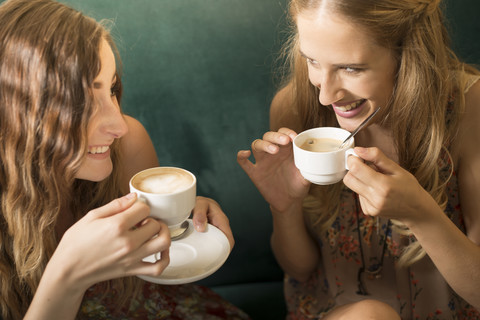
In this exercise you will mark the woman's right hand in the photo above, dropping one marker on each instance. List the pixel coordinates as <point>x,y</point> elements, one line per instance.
<point>110,242</point>
<point>274,172</point>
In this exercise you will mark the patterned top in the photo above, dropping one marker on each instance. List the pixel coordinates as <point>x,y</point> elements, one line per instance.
<point>416,292</point>
<point>189,301</point>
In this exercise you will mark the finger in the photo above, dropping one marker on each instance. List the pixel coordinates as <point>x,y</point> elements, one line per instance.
<point>157,242</point>
<point>221,222</point>
<point>219,219</point>
<point>114,206</point>
<point>289,132</point>
<point>360,176</point>
<point>212,212</point>
<point>200,211</point>
<point>278,138</point>
<point>378,159</point>
<point>368,207</point>
<point>148,229</point>
<point>152,269</point>
<point>259,145</point>
<point>364,192</point>
<point>133,216</point>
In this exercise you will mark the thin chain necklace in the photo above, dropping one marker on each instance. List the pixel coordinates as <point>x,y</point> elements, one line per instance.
<point>374,271</point>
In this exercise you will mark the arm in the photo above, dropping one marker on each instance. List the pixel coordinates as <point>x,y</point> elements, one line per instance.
<point>456,255</point>
<point>104,245</point>
<point>107,243</point>
<point>281,184</point>
<point>383,193</point>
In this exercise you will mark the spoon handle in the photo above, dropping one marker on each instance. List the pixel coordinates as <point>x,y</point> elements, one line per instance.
<point>359,127</point>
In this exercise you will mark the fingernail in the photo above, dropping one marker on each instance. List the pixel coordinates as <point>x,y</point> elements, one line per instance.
<point>272,148</point>
<point>199,226</point>
<point>131,195</point>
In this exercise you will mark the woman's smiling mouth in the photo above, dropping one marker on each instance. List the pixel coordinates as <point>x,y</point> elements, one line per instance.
<point>97,150</point>
<point>350,106</point>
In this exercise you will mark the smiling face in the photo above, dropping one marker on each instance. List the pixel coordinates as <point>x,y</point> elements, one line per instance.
<point>353,73</point>
<point>107,122</point>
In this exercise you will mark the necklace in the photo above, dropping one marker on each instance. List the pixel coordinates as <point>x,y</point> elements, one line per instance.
<point>374,271</point>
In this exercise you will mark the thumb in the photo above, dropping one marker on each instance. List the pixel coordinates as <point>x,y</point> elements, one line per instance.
<point>115,206</point>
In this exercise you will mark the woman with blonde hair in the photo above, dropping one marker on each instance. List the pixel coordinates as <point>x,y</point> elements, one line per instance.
<point>72,238</point>
<point>399,236</point>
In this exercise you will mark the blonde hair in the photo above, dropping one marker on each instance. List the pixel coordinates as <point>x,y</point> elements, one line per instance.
<point>49,57</point>
<point>425,104</point>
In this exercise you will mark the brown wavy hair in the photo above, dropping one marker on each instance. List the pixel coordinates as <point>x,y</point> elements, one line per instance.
<point>425,105</point>
<point>49,58</point>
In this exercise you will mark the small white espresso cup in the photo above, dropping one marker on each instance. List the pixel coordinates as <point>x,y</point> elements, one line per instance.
<point>169,192</point>
<point>318,157</point>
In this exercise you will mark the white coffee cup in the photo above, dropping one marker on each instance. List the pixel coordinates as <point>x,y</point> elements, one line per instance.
<point>170,193</point>
<point>327,166</point>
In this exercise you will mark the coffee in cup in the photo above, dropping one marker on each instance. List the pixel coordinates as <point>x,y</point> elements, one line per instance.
<point>318,156</point>
<point>164,181</point>
<point>170,192</point>
<point>321,144</point>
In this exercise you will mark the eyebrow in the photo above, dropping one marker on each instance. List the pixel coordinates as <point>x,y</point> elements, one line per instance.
<point>98,85</point>
<point>350,65</point>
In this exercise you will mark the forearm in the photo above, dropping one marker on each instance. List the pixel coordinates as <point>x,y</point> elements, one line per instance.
<point>294,249</point>
<point>55,298</point>
<point>455,256</point>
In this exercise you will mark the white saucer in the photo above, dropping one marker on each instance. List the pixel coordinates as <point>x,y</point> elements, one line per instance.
<point>194,256</point>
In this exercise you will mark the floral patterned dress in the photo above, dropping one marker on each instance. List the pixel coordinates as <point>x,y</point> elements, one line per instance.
<point>416,292</point>
<point>176,302</point>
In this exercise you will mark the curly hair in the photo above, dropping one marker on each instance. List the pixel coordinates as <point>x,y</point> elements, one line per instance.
<point>422,114</point>
<point>49,58</point>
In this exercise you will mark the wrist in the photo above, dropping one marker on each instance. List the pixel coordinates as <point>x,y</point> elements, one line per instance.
<point>62,273</point>
<point>424,213</point>
<point>294,209</point>
<point>288,218</point>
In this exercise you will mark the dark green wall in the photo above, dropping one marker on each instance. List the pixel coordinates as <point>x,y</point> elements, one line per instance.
<point>198,75</point>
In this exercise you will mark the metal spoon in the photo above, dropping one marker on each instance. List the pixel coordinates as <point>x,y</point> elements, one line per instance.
<point>180,232</point>
<point>358,128</point>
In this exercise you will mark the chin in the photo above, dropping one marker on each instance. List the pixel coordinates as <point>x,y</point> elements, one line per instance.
<point>95,174</point>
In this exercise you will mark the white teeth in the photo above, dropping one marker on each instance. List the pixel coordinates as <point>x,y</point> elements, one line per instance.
<point>351,106</point>
<point>95,150</point>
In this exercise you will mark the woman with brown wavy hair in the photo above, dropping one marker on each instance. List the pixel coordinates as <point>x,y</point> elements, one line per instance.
<point>400,235</point>
<point>67,153</point>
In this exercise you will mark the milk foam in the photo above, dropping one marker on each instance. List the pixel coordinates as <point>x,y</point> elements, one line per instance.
<point>165,183</point>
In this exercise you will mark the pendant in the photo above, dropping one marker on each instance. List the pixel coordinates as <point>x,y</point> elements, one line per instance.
<point>374,271</point>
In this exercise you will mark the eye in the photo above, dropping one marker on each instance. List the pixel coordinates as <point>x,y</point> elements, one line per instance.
<point>352,70</point>
<point>115,89</point>
<point>311,61</point>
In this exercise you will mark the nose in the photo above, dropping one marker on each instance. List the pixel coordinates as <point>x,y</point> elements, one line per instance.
<point>329,84</point>
<point>114,121</point>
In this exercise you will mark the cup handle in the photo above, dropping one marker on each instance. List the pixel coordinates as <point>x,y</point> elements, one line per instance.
<point>140,198</point>
<point>348,153</point>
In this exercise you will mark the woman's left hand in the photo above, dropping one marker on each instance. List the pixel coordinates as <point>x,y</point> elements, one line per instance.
<point>384,188</point>
<point>208,211</point>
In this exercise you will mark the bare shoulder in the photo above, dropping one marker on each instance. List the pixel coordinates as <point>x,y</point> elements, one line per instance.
<point>137,149</point>
<point>468,151</point>
<point>137,138</point>
<point>282,111</point>
<point>469,128</point>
